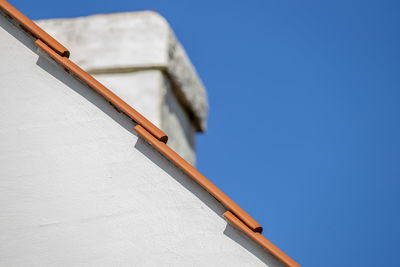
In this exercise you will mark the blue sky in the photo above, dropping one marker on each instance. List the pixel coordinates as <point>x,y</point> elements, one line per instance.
<point>304,120</point>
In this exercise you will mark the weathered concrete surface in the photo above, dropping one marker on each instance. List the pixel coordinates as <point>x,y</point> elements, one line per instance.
<point>79,188</point>
<point>138,41</point>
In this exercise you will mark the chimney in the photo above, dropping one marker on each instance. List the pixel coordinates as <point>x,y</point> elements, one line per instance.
<point>137,56</point>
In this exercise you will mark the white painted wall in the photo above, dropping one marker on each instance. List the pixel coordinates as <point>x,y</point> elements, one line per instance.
<point>78,188</point>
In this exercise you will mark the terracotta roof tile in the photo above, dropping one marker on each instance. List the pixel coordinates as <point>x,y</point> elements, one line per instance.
<point>33,29</point>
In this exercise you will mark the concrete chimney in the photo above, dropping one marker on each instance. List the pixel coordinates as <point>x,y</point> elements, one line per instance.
<point>137,56</point>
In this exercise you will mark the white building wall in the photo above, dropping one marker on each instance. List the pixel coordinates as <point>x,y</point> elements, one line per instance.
<point>79,188</point>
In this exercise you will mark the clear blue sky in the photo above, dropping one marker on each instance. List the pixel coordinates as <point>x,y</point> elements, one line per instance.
<point>304,127</point>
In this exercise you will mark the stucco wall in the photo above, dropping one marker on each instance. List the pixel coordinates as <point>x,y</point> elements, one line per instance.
<point>79,188</point>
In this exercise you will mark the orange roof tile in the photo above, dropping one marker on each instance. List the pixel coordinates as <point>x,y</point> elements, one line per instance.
<point>152,134</point>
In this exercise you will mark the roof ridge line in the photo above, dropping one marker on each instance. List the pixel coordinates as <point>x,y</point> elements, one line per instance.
<point>235,214</point>
<point>31,27</point>
<point>199,178</point>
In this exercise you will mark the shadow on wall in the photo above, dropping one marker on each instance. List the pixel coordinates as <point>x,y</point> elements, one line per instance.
<point>53,68</point>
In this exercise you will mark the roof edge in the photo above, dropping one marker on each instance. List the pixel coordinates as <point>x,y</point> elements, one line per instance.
<point>199,178</point>
<point>149,132</point>
<point>235,214</point>
<point>33,28</point>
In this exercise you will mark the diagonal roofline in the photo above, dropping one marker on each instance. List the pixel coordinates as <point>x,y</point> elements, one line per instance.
<point>31,27</point>
<point>148,131</point>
